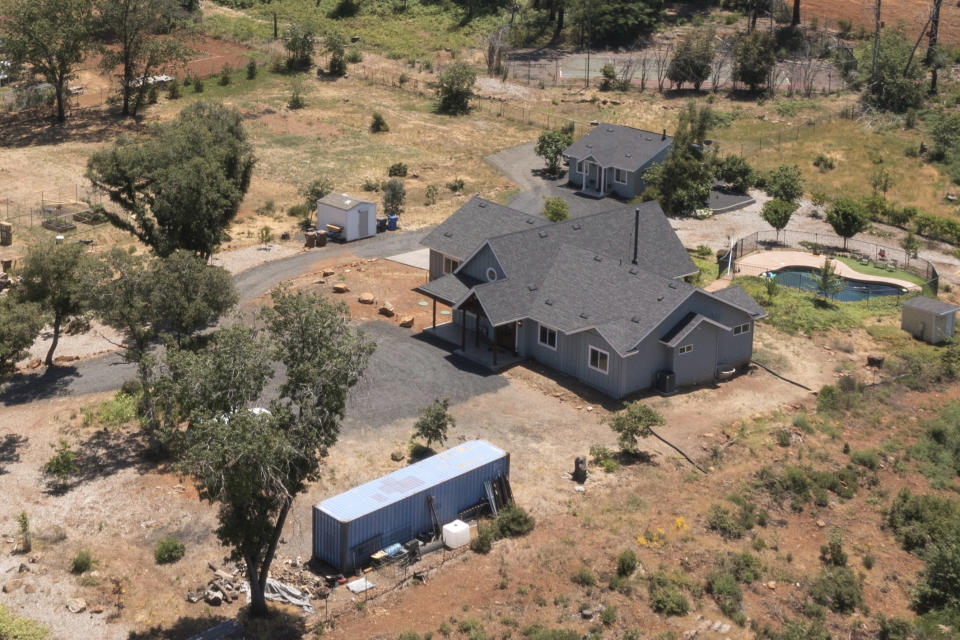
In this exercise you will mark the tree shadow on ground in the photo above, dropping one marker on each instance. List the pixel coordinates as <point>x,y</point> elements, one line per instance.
<point>544,173</point>
<point>9,449</point>
<point>283,623</point>
<point>23,388</point>
<point>95,124</point>
<point>106,452</point>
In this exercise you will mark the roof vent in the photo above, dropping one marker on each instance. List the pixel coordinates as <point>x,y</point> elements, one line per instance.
<point>609,129</point>
<point>482,204</point>
<point>672,285</point>
<point>548,302</point>
<point>635,319</point>
<point>629,155</point>
<point>530,220</point>
<point>447,234</point>
<point>648,138</point>
<point>597,259</point>
<point>659,298</point>
<point>543,234</point>
<point>576,226</point>
<point>584,315</point>
<point>589,146</point>
<point>634,271</point>
<point>531,287</point>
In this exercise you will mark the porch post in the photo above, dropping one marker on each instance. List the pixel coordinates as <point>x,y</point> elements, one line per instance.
<point>434,313</point>
<point>476,334</point>
<point>463,330</point>
<point>495,346</point>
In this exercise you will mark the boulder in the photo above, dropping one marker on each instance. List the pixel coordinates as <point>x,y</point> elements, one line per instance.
<point>35,363</point>
<point>386,309</point>
<point>212,597</point>
<point>340,287</point>
<point>366,298</point>
<point>96,609</point>
<point>64,359</point>
<point>12,585</point>
<point>194,596</point>
<point>77,605</point>
<point>397,455</point>
<point>406,321</point>
<point>327,273</point>
<point>29,587</point>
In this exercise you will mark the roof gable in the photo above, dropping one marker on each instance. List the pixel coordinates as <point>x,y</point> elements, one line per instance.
<point>469,226</point>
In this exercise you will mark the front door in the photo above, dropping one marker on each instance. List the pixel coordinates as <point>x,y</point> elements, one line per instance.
<point>505,336</point>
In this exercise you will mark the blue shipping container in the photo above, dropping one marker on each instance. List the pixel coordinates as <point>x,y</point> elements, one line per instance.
<point>350,527</point>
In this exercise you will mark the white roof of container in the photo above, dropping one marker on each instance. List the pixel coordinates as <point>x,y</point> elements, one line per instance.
<point>341,201</point>
<point>411,480</point>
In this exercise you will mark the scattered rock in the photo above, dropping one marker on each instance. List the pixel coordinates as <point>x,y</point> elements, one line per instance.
<point>406,321</point>
<point>586,614</point>
<point>386,309</point>
<point>212,597</point>
<point>821,524</point>
<point>29,587</point>
<point>23,568</point>
<point>366,298</point>
<point>772,585</point>
<point>327,273</point>
<point>589,408</point>
<point>340,287</point>
<point>397,456</point>
<point>320,281</point>
<point>96,609</point>
<point>64,359</point>
<point>35,363</point>
<point>35,558</point>
<point>77,605</point>
<point>194,597</point>
<point>12,585</point>
<point>579,489</point>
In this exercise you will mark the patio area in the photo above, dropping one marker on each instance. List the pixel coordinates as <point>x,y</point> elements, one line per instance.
<point>478,348</point>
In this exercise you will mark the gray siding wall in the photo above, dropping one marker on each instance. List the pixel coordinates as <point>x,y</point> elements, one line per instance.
<point>926,326</point>
<point>579,351</point>
<point>436,264</point>
<point>699,365</point>
<point>573,176</point>
<point>640,368</point>
<point>531,347</point>
<point>479,263</point>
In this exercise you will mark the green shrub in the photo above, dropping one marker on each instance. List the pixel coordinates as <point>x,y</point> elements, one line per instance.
<point>82,562</point>
<point>513,521</point>
<point>26,537</point>
<point>893,628</point>
<point>354,56</point>
<point>113,413</point>
<point>832,553</point>
<point>174,92</point>
<point>609,615</point>
<point>626,563</point>
<point>724,522</point>
<point>745,567</point>
<point>486,533</point>
<point>868,458</point>
<point>824,163</point>
<point>168,550</point>
<point>15,628</point>
<point>225,75</point>
<point>539,632</point>
<point>783,437</point>
<point>378,125</point>
<point>868,561</point>
<point>198,85</point>
<point>63,463</point>
<point>918,521</point>
<point>251,70</point>
<point>838,589</point>
<point>725,591</point>
<point>430,195</point>
<point>666,596</point>
<point>583,577</point>
<point>939,446</point>
<point>456,185</point>
<point>397,170</point>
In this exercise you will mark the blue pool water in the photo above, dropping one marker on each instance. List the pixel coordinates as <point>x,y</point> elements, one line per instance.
<point>805,278</point>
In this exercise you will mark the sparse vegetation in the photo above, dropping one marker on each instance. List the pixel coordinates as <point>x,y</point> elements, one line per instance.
<point>168,550</point>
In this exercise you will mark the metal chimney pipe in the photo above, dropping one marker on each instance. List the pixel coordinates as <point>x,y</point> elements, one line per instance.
<point>663,136</point>
<point>636,233</point>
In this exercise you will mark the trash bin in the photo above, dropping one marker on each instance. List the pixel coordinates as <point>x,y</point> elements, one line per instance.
<point>322,238</point>
<point>381,225</point>
<point>392,222</point>
<point>311,239</point>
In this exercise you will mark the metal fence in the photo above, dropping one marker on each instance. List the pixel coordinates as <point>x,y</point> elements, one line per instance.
<point>888,258</point>
<point>59,209</point>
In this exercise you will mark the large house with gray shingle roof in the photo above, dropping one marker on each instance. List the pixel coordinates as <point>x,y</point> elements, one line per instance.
<point>600,297</point>
<point>611,158</point>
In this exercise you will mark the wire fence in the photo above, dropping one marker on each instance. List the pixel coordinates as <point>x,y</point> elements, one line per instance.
<point>64,210</point>
<point>889,260</point>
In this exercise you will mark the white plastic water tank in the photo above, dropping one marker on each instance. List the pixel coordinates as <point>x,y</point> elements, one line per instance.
<point>456,534</point>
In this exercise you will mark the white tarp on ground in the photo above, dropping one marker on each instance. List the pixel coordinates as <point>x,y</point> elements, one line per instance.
<point>361,585</point>
<point>279,592</point>
<point>419,258</point>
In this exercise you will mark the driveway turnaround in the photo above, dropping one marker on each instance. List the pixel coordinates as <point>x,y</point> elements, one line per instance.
<point>108,372</point>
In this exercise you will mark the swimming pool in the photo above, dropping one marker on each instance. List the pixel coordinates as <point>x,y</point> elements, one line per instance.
<point>805,278</point>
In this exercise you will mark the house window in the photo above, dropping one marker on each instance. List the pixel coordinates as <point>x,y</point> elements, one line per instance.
<point>743,328</point>
<point>620,176</point>
<point>548,337</point>
<point>580,167</point>
<point>599,360</point>
<point>450,265</point>
<point>491,274</point>
<point>687,348</point>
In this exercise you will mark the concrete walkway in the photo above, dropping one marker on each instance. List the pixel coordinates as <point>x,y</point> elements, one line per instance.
<point>757,263</point>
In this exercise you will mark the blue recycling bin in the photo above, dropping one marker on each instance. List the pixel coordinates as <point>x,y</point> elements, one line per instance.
<point>392,222</point>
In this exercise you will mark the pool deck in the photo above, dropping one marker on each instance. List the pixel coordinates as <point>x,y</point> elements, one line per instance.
<point>757,263</point>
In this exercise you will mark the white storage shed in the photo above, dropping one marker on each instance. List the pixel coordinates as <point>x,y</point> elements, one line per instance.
<point>352,218</point>
<point>928,319</point>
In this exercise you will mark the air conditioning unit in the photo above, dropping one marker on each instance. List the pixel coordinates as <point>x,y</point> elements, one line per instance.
<point>666,382</point>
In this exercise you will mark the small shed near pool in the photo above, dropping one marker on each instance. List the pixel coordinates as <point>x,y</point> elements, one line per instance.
<point>354,218</point>
<point>929,319</point>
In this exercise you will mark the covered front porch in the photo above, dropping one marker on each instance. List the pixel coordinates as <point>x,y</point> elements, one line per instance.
<point>597,179</point>
<point>473,345</point>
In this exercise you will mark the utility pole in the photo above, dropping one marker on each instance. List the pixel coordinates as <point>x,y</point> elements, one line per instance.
<point>274,25</point>
<point>932,48</point>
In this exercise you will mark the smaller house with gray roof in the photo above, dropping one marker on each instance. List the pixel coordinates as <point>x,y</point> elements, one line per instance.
<point>600,297</point>
<point>612,158</point>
